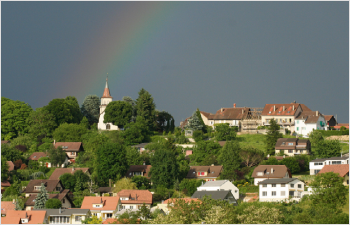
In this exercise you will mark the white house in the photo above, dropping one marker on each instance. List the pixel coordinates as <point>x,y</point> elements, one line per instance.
<point>220,185</point>
<point>263,172</point>
<point>316,165</point>
<point>308,121</point>
<point>105,100</point>
<point>273,190</point>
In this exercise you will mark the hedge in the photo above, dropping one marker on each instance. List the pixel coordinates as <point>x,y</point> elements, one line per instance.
<point>327,133</point>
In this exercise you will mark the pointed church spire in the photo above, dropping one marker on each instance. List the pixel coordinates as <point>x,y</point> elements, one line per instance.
<point>106,93</point>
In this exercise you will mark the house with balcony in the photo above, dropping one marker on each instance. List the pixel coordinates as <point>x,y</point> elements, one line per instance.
<point>292,146</point>
<point>34,187</point>
<point>134,199</point>
<point>275,190</point>
<point>220,185</point>
<point>66,216</point>
<point>284,114</point>
<point>207,173</point>
<point>232,116</point>
<point>72,149</point>
<point>308,121</point>
<point>263,172</point>
<point>138,170</point>
<point>316,165</point>
<point>341,169</point>
<point>63,197</point>
<point>102,207</point>
<point>24,217</point>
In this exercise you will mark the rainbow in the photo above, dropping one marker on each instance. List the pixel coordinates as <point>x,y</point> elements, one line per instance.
<point>118,46</point>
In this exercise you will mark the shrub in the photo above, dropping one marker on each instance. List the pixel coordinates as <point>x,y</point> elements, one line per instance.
<point>53,203</point>
<point>197,135</point>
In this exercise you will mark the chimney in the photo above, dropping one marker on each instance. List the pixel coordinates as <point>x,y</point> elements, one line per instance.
<point>136,197</point>
<point>284,108</point>
<point>274,107</point>
<point>293,107</point>
<point>316,113</point>
<point>110,183</point>
<point>54,142</point>
<point>101,200</point>
<point>271,170</point>
<point>242,111</point>
<point>60,211</point>
<point>234,105</point>
<point>26,215</point>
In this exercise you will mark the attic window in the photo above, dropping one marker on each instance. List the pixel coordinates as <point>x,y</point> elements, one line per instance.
<point>270,112</point>
<point>212,172</point>
<point>290,143</point>
<point>34,156</point>
<point>259,173</point>
<point>288,111</point>
<point>279,111</point>
<point>283,143</point>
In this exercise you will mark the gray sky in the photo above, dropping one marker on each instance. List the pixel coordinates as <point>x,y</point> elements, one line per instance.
<point>188,55</point>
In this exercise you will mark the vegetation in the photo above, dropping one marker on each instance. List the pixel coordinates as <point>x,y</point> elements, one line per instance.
<point>41,198</point>
<point>91,108</point>
<point>272,136</point>
<point>119,113</point>
<point>53,203</point>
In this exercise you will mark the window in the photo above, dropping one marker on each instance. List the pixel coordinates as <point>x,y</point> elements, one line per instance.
<point>290,151</point>
<point>211,122</point>
<point>273,193</point>
<point>237,191</point>
<point>137,174</point>
<point>347,181</point>
<point>273,185</point>
<point>292,185</point>
<point>200,173</point>
<point>269,113</point>
<point>283,143</point>
<point>336,162</point>
<point>316,164</point>
<point>78,218</point>
<point>64,200</point>
<point>109,215</point>
<point>123,206</point>
<point>316,171</point>
<point>259,173</point>
<point>94,214</point>
<point>264,185</point>
<point>297,121</point>
<point>283,193</point>
<point>58,188</point>
<point>73,153</point>
<point>297,128</point>
<point>290,143</point>
<point>131,207</point>
<point>280,120</point>
<point>283,185</point>
<point>299,186</point>
<point>264,193</point>
<point>108,127</point>
<point>37,188</point>
<point>97,206</point>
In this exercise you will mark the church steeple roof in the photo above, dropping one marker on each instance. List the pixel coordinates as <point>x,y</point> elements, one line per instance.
<point>106,93</point>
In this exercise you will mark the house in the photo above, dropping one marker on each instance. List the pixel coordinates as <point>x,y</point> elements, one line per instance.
<point>105,100</point>
<point>66,216</point>
<point>24,217</point>
<point>166,205</point>
<point>72,149</point>
<point>263,172</point>
<point>341,169</point>
<point>104,207</point>
<point>207,173</point>
<point>101,191</point>
<point>63,197</point>
<point>34,186</point>
<point>232,116</point>
<point>38,155</point>
<point>220,185</point>
<point>330,121</point>
<point>140,147</point>
<point>316,165</point>
<point>272,190</point>
<point>339,125</point>
<point>205,117</point>
<point>225,195</point>
<point>292,146</point>
<point>308,121</point>
<point>284,114</point>
<point>134,199</point>
<point>60,171</point>
<point>138,170</point>
<point>6,206</point>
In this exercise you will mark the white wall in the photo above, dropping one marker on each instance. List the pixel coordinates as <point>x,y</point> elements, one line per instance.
<point>225,186</point>
<point>269,189</point>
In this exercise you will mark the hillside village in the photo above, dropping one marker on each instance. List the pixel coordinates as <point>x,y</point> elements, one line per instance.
<point>126,162</point>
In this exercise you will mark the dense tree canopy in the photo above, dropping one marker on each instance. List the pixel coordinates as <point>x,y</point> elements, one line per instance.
<point>57,156</point>
<point>164,120</point>
<point>251,156</point>
<point>124,183</point>
<point>10,153</point>
<point>69,132</point>
<point>91,108</point>
<point>41,124</point>
<point>119,113</point>
<point>223,132</point>
<point>272,136</point>
<point>327,149</point>
<point>145,107</point>
<point>230,159</point>
<point>136,132</point>
<point>53,203</point>
<point>14,116</point>
<point>4,169</point>
<point>205,150</point>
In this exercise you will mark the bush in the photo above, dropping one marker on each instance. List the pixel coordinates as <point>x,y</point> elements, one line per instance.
<point>197,135</point>
<point>327,133</point>
<point>53,203</point>
<point>181,139</point>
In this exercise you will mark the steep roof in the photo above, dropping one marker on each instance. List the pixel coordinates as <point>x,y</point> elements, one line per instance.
<point>5,183</point>
<point>11,165</point>
<point>288,109</point>
<point>37,155</point>
<point>279,171</point>
<point>280,141</point>
<point>106,93</point>
<point>49,184</point>
<point>139,168</point>
<point>217,195</point>
<point>328,117</point>
<point>309,116</point>
<point>137,196</point>
<point>6,206</point>
<point>212,171</point>
<point>5,142</point>
<point>229,114</point>
<point>109,203</point>
<point>14,217</point>
<point>69,146</point>
<point>60,171</point>
<point>206,114</point>
<point>341,169</point>
<point>278,181</point>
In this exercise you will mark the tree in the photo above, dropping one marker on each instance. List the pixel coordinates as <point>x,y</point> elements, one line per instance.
<point>69,133</point>
<point>84,123</point>
<point>223,132</point>
<point>194,123</point>
<point>198,135</point>
<point>53,203</point>
<point>291,163</point>
<point>260,215</point>
<point>124,183</point>
<point>91,108</point>
<point>4,169</point>
<point>270,161</point>
<point>119,113</point>
<point>141,182</point>
<point>128,99</point>
<point>272,136</point>
<point>230,159</point>
<point>92,220</point>
<point>145,107</point>
<point>163,120</point>
<point>110,162</point>
<point>41,124</point>
<point>13,118</point>
<point>136,132</point>
<point>133,156</point>
<point>10,153</point>
<point>41,198</point>
<point>56,155</point>
<point>251,156</point>
<point>68,180</point>
<point>203,150</point>
<point>327,149</point>
<point>17,205</point>
<point>189,186</point>
<point>164,170</point>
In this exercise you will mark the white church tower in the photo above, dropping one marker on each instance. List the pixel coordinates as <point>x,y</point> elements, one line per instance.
<point>105,100</point>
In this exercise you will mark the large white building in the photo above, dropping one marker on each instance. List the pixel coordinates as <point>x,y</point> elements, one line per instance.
<point>105,100</point>
<point>316,165</point>
<point>308,121</point>
<point>274,190</point>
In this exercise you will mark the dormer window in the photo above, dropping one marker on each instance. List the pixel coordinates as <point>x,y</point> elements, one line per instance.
<point>34,157</point>
<point>24,220</point>
<point>37,188</point>
<point>124,198</point>
<point>283,143</point>
<point>98,206</point>
<point>269,112</point>
<point>200,173</point>
<point>259,173</point>
<point>290,143</point>
<point>137,174</point>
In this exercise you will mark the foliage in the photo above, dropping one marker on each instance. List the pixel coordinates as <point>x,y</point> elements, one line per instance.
<point>110,162</point>
<point>136,132</point>
<point>92,220</point>
<point>272,136</point>
<point>124,183</point>
<point>141,182</point>
<point>162,193</point>
<point>91,108</point>
<point>4,169</point>
<point>163,121</point>
<point>84,123</point>
<point>145,107</point>
<point>198,135</point>
<point>69,180</point>
<point>303,161</point>
<point>327,149</point>
<point>260,215</point>
<point>41,198</point>
<point>223,132</point>
<point>203,150</point>
<point>230,159</point>
<point>41,124</point>
<point>291,163</point>
<point>199,115</point>
<point>270,161</point>
<point>133,156</point>
<point>194,123</point>
<point>10,153</point>
<point>327,133</point>
<point>53,203</point>
<point>181,139</point>
<point>189,186</point>
<point>25,140</point>
<point>13,118</point>
<point>251,156</point>
<point>69,133</point>
<point>119,113</point>
<point>56,155</point>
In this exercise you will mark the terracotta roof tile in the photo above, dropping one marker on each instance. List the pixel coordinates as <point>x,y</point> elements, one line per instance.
<point>37,155</point>
<point>5,183</point>
<point>229,114</point>
<point>139,168</point>
<point>137,196</point>
<point>109,203</point>
<point>279,171</point>
<point>6,206</point>
<point>60,171</point>
<point>341,169</point>
<point>34,217</point>
<point>212,171</point>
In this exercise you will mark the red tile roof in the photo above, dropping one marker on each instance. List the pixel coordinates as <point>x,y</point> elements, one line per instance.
<point>229,114</point>
<point>109,203</point>
<point>137,196</point>
<point>106,93</point>
<point>71,146</point>
<point>14,217</point>
<point>5,183</point>
<point>37,155</point>
<point>11,165</point>
<point>60,171</point>
<point>339,125</point>
<point>5,142</point>
<point>115,221</point>
<point>6,206</point>
<point>279,109</point>
<point>341,169</point>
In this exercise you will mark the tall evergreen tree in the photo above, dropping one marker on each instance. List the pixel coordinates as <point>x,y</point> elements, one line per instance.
<point>133,104</point>
<point>194,122</point>
<point>91,108</point>
<point>230,159</point>
<point>145,107</point>
<point>273,134</point>
<point>204,128</point>
<point>41,198</point>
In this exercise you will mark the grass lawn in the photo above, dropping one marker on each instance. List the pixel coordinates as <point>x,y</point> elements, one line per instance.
<point>344,147</point>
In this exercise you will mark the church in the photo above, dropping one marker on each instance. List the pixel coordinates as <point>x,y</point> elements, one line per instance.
<point>105,100</point>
